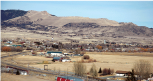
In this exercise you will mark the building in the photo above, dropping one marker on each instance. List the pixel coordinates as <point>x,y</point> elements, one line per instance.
<point>22,71</point>
<point>52,53</point>
<point>63,59</point>
<point>122,73</point>
<point>57,58</point>
<point>68,78</point>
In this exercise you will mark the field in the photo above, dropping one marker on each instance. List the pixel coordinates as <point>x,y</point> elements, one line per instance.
<point>116,61</point>
<point>112,60</point>
<point>10,77</point>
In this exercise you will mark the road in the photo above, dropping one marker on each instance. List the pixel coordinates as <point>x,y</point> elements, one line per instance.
<point>38,70</point>
<point>26,68</point>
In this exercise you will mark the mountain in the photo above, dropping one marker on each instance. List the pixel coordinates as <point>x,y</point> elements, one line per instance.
<point>9,14</point>
<point>42,20</point>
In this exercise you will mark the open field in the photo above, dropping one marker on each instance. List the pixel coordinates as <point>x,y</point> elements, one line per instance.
<point>116,61</point>
<point>12,33</point>
<point>8,53</point>
<point>146,54</point>
<point>10,77</point>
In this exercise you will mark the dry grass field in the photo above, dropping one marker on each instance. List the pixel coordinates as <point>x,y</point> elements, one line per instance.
<point>116,61</point>
<point>10,77</point>
<point>113,60</point>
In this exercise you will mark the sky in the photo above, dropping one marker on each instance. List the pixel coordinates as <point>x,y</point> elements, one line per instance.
<point>137,12</point>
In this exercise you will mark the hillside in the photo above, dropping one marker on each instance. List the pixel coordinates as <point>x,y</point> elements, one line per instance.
<point>36,21</point>
<point>9,14</point>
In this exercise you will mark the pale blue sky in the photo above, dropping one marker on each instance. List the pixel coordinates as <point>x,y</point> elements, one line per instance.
<point>138,12</point>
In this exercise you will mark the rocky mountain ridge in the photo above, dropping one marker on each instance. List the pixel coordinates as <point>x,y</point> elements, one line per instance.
<point>34,20</point>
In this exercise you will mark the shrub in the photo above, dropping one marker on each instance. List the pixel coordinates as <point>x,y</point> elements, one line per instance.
<point>19,49</point>
<point>6,49</point>
<point>45,62</point>
<point>94,60</point>
<point>90,60</point>
<point>86,57</point>
<point>53,60</point>
<point>99,47</point>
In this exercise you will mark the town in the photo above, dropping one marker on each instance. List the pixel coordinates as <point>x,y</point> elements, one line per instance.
<point>73,52</point>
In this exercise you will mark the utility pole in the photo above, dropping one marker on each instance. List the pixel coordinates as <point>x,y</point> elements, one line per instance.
<point>28,67</point>
<point>67,73</point>
<point>87,77</point>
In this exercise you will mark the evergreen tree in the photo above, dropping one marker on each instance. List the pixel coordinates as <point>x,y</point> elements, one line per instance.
<point>109,72</point>
<point>17,73</point>
<point>100,70</point>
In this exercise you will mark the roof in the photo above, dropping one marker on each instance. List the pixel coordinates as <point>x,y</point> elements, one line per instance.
<point>122,72</point>
<point>53,52</point>
<point>56,58</point>
<point>71,78</point>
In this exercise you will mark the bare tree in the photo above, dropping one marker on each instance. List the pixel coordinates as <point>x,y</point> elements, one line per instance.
<point>79,68</point>
<point>77,51</point>
<point>93,71</point>
<point>143,68</point>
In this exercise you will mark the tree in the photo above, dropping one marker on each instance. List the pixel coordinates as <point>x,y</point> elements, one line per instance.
<point>112,71</point>
<point>81,48</point>
<point>60,46</point>
<point>17,73</point>
<point>99,47</point>
<point>93,71</point>
<point>132,78</point>
<point>151,50</point>
<point>105,71</point>
<point>109,71</point>
<point>142,67</point>
<point>6,49</point>
<point>18,49</point>
<point>77,51</point>
<point>86,57</point>
<point>100,71</point>
<point>79,68</point>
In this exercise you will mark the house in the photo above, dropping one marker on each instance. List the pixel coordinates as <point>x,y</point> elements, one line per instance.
<point>22,71</point>
<point>66,60</point>
<point>53,53</point>
<point>17,45</point>
<point>122,73</point>
<point>57,58</point>
<point>68,78</point>
<point>63,59</point>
